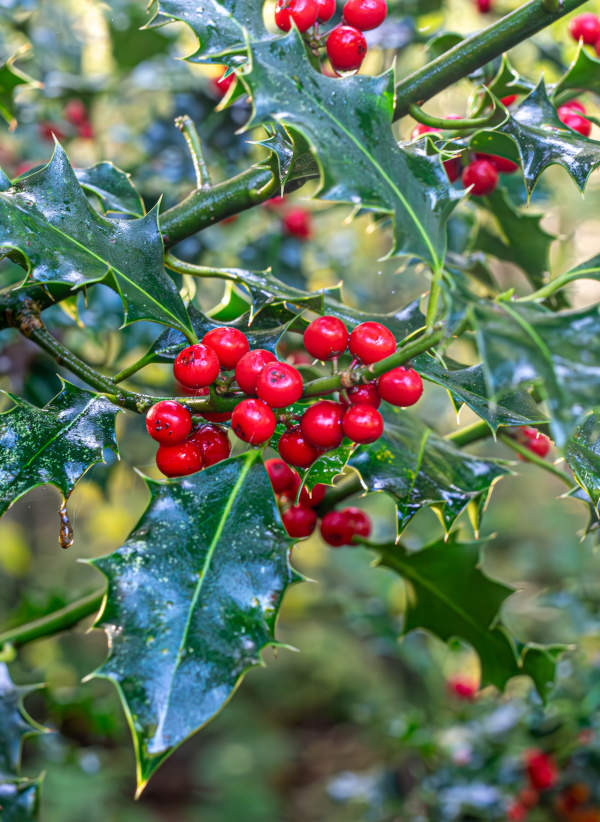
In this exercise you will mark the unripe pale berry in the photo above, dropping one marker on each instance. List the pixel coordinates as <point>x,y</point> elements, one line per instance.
<point>362,423</point>
<point>401,386</point>
<point>371,342</point>
<point>299,521</point>
<point>249,367</point>
<point>346,48</point>
<point>321,424</point>
<point>213,442</point>
<point>326,338</point>
<point>295,449</point>
<point>482,176</point>
<point>229,344</point>
<point>365,14</point>
<point>253,421</point>
<point>168,422</point>
<point>196,366</point>
<point>279,384</point>
<point>179,460</point>
<point>302,12</point>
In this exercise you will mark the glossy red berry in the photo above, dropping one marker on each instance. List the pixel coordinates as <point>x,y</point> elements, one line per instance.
<point>196,366</point>
<point>298,223</point>
<point>464,687</point>
<point>400,386</point>
<point>574,120</point>
<point>421,129</point>
<point>359,522</point>
<point>365,14</point>
<point>362,423</point>
<point>585,27</point>
<point>275,203</point>
<point>536,442</point>
<point>168,422</point>
<point>283,479</point>
<point>253,421</point>
<point>371,342</point>
<point>299,521</point>
<point>364,395</point>
<point>321,424</point>
<point>346,48</point>
<point>279,384</point>
<point>482,176</point>
<point>223,82</point>
<point>314,497</point>
<point>179,460</point>
<point>484,6</point>
<point>573,105</point>
<point>229,344</point>
<point>75,112</point>
<point>325,10</point>
<point>508,100</point>
<point>302,12</point>
<point>213,442</point>
<point>541,770</point>
<point>453,168</point>
<point>326,338</point>
<point>501,164</point>
<point>249,367</point>
<point>295,449</point>
<point>336,529</point>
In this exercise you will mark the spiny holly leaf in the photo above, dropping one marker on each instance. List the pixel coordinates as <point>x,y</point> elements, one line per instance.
<point>509,81</point>
<point>419,469</point>
<point>55,444</point>
<point>10,78</point>
<point>47,218</point>
<point>348,123</point>
<point>15,724</point>
<point>451,597</point>
<point>582,75</point>
<point>583,457</point>
<point>559,352</point>
<point>543,140</point>
<point>539,663</point>
<point>221,27</point>
<point>193,596</point>
<point>19,800</point>
<point>518,238</point>
<point>466,384</point>
<point>113,187</point>
<point>327,467</point>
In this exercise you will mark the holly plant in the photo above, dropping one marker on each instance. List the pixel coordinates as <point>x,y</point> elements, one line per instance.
<point>289,403</point>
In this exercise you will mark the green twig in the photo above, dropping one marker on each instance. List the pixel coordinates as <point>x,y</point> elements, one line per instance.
<point>479,430</point>
<point>446,124</point>
<point>192,138</point>
<point>559,282</point>
<point>125,373</point>
<point>181,267</point>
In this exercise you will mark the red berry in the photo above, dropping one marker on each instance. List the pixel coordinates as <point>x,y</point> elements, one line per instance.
<point>359,521</point>
<point>196,366</point>
<point>482,176</point>
<point>575,121</point>
<point>281,475</point>
<point>483,6</point>
<point>48,131</point>
<point>362,423</point>
<point>508,100</point>
<point>253,421</point>
<point>86,131</point>
<point>214,443</point>
<point>229,344</point>
<point>279,384</point>
<point>464,687</point>
<point>325,10</point>
<point>223,82</point>
<point>249,367</point>
<point>453,167</point>
<point>364,395</point>
<point>168,422</point>
<point>501,164</point>
<point>574,105</point>
<point>326,338</point>
<point>321,424</point>
<point>532,439</point>
<point>585,27</point>
<point>541,770</point>
<point>302,12</point>
<point>75,112</point>
<point>346,48</point>
<point>298,223</point>
<point>421,128</point>
<point>336,529</point>
<point>314,497</point>
<point>179,460</point>
<point>295,449</point>
<point>365,14</point>
<point>299,521</point>
<point>400,386</point>
<point>275,203</point>
<point>530,798</point>
<point>371,342</point>
<point>516,812</point>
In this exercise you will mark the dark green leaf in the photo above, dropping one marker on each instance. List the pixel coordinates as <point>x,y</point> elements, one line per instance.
<point>419,469</point>
<point>583,457</point>
<point>559,352</point>
<point>327,467</point>
<point>10,78</point>
<point>15,724</point>
<point>509,81</point>
<point>582,75</point>
<point>348,123</point>
<point>113,187</point>
<point>193,596</point>
<point>441,43</point>
<point>539,663</point>
<point>19,801</point>
<point>56,444</point>
<point>48,219</point>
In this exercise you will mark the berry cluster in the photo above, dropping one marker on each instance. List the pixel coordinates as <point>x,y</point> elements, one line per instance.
<point>586,27</point>
<point>533,440</point>
<point>346,45</point>
<point>262,385</point>
<point>300,517</point>
<point>542,774</point>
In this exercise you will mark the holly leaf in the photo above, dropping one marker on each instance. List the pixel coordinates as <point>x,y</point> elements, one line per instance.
<point>15,724</point>
<point>113,188</point>
<point>19,800</point>
<point>543,140</point>
<point>582,75</point>
<point>517,238</point>
<point>47,218</point>
<point>558,352</point>
<point>193,597</point>
<point>583,457</point>
<point>221,27</point>
<point>509,81</point>
<point>55,444</point>
<point>348,123</point>
<point>450,597</point>
<point>418,469</point>
<point>10,78</point>
<point>327,467</point>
